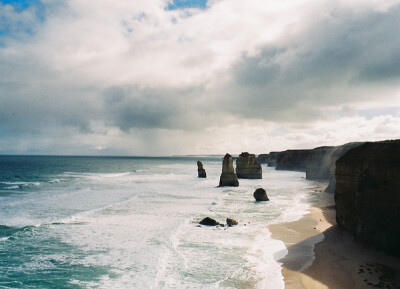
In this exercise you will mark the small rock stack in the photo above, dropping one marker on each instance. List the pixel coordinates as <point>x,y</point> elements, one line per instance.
<point>201,171</point>
<point>228,176</point>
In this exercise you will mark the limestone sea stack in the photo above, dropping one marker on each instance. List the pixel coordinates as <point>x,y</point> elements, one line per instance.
<point>367,194</point>
<point>228,176</point>
<point>247,167</point>
<point>200,170</point>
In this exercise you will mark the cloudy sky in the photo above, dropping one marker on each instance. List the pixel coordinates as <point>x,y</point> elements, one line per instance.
<point>165,77</point>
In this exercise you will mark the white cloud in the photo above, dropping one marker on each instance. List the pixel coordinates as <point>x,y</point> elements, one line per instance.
<point>253,75</point>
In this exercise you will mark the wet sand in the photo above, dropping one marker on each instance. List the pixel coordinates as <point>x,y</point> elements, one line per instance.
<point>321,255</point>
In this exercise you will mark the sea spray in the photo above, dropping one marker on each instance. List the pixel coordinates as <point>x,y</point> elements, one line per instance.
<point>133,222</point>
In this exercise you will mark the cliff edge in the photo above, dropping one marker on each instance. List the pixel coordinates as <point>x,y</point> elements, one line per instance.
<point>367,194</point>
<point>293,160</point>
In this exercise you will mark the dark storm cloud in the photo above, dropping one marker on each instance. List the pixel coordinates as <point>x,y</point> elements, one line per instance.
<point>299,76</point>
<point>129,107</point>
<point>62,83</point>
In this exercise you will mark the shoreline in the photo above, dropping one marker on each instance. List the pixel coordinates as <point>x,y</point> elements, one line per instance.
<point>321,255</point>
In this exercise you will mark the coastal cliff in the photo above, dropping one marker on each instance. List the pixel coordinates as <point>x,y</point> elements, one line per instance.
<point>247,167</point>
<point>337,153</point>
<point>272,156</point>
<point>319,163</point>
<point>293,160</point>
<point>263,158</point>
<point>269,159</point>
<point>367,194</point>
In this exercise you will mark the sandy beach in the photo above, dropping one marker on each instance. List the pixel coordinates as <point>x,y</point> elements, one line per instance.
<point>321,255</point>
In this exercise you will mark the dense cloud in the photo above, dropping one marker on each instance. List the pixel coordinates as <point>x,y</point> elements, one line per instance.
<point>136,78</point>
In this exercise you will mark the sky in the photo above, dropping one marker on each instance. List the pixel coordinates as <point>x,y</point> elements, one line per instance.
<point>164,77</point>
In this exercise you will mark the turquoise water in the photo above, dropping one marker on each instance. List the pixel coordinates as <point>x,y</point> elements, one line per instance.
<point>120,222</point>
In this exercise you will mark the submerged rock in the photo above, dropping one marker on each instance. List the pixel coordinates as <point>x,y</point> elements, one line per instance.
<point>200,170</point>
<point>260,195</point>
<point>208,222</point>
<point>367,194</point>
<point>231,222</point>
<point>228,176</point>
<point>247,167</point>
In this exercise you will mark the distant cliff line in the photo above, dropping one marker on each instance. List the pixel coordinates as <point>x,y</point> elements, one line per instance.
<point>365,178</point>
<point>318,163</point>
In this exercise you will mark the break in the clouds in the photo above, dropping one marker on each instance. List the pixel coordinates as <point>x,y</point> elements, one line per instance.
<point>165,77</point>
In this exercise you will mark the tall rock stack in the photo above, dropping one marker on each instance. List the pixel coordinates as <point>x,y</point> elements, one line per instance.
<point>200,170</point>
<point>367,194</point>
<point>228,176</point>
<point>247,167</point>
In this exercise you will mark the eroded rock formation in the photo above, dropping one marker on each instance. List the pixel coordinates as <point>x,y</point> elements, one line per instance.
<point>228,176</point>
<point>247,167</point>
<point>367,194</point>
<point>200,170</point>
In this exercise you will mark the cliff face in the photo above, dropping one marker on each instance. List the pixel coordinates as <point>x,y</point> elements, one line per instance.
<point>272,156</point>
<point>263,158</point>
<point>337,153</point>
<point>228,176</point>
<point>367,194</point>
<point>269,159</point>
<point>319,163</point>
<point>293,160</point>
<point>247,167</point>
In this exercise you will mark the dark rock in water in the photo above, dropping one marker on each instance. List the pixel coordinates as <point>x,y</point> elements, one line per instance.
<point>208,222</point>
<point>200,170</point>
<point>228,176</point>
<point>367,194</point>
<point>247,167</point>
<point>293,160</point>
<point>231,222</point>
<point>260,195</point>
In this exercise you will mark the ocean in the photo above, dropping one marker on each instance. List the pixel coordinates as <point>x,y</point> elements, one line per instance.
<point>132,222</point>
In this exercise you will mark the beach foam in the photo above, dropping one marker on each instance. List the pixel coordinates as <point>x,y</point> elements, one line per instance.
<point>140,229</point>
